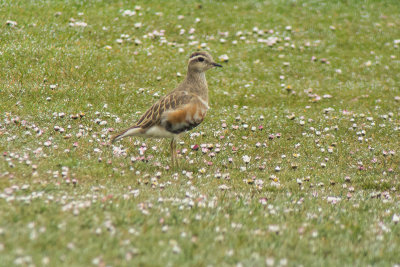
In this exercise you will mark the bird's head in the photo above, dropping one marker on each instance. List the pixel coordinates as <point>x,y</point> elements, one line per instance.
<point>201,61</point>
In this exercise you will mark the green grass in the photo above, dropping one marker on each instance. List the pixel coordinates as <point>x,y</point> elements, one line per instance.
<point>133,213</point>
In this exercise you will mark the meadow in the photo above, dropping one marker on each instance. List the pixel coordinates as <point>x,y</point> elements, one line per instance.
<point>296,164</point>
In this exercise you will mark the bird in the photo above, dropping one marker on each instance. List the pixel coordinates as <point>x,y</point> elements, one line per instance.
<point>181,110</point>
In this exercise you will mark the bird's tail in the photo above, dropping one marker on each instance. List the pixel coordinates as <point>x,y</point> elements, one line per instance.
<point>125,133</point>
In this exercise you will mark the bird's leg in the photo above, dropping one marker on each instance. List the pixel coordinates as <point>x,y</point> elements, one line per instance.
<point>172,152</point>
<point>175,154</point>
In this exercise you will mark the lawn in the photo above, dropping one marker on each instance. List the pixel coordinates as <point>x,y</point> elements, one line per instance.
<point>296,164</point>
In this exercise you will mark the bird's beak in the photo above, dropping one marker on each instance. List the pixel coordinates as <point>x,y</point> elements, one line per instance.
<point>216,64</point>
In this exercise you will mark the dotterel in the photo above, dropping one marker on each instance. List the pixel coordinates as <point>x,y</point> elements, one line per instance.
<point>179,111</point>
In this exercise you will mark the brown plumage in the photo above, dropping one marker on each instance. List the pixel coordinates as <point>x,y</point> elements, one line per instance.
<point>181,110</point>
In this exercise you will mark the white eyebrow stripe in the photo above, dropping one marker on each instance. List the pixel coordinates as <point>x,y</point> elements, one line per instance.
<point>199,56</point>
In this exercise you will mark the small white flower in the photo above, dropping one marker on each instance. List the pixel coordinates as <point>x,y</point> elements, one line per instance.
<point>25,186</point>
<point>11,23</point>
<point>333,200</point>
<point>274,228</point>
<point>176,249</point>
<point>224,58</point>
<point>223,187</point>
<point>246,159</point>
<point>96,261</point>
<point>314,234</point>
<point>283,262</point>
<point>396,218</point>
<point>47,143</point>
<point>270,261</point>
<point>78,24</point>
<point>128,13</point>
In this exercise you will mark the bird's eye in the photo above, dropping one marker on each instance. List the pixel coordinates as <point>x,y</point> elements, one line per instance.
<point>201,59</point>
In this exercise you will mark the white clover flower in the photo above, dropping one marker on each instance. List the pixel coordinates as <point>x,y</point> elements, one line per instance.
<point>246,159</point>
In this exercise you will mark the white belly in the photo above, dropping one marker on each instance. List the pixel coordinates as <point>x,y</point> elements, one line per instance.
<point>158,132</point>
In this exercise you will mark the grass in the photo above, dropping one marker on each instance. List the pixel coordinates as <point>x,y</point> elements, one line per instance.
<point>322,184</point>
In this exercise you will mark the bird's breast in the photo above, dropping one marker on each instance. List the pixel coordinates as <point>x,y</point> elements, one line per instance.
<point>185,118</point>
